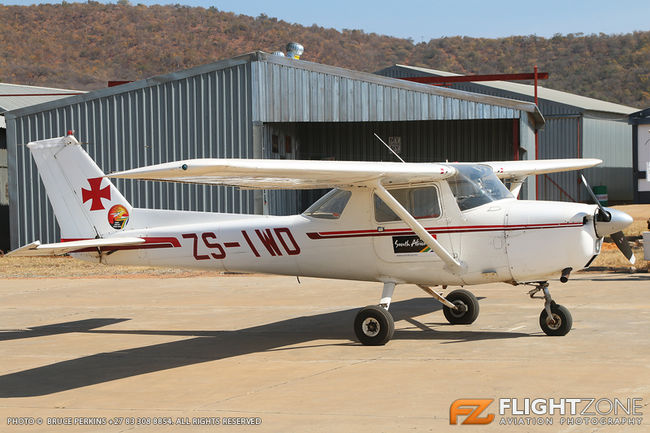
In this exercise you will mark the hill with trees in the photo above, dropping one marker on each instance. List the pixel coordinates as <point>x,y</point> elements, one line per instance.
<point>84,45</point>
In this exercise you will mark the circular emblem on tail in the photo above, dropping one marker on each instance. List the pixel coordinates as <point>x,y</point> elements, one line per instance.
<point>118,216</point>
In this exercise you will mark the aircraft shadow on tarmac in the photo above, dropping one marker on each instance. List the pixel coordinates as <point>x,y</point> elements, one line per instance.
<point>207,346</point>
<point>57,328</point>
<point>627,277</point>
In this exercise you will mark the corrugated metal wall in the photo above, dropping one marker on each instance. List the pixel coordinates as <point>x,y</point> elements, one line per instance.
<point>561,138</point>
<point>610,141</point>
<point>205,115</point>
<point>4,192</point>
<point>421,141</point>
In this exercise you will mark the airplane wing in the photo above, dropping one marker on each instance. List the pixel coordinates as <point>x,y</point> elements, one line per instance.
<point>36,249</point>
<point>521,169</point>
<point>287,173</point>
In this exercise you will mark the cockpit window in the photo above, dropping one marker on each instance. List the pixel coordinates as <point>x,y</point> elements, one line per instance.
<point>420,202</point>
<point>475,185</point>
<point>330,206</point>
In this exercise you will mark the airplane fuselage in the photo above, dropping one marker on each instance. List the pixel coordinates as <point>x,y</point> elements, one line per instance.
<point>508,240</point>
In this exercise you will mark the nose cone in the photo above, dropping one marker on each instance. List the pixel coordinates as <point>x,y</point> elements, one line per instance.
<point>619,220</point>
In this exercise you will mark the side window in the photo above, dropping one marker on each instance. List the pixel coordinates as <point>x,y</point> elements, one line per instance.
<point>383,212</point>
<point>419,202</point>
<point>424,203</point>
<point>330,206</point>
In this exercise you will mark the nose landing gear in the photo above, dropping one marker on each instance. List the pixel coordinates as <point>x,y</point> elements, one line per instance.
<point>554,319</point>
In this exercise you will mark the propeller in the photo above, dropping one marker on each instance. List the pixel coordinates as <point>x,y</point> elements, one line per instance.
<point>611,222</point>
<point>603,215</point>
<point>623,245</point>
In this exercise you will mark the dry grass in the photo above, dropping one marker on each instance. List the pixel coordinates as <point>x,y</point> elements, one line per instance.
<point>68,267</point>
<point>611,257</point>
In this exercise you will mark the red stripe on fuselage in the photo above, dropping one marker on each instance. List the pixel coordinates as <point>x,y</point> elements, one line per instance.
<point>438,230</point>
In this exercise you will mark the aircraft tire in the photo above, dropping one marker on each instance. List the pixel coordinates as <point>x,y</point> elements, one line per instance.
<point>468,303</point>
<point>561,313</point>
<point>374,325</point>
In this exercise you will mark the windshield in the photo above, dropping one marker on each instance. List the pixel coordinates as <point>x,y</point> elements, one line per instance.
<point>475,185</point>
<point>329,206</point>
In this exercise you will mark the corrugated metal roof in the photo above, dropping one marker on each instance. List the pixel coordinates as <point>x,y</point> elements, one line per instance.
<point>291,93</point>
<point>13,96</point>
<point>362,84</point>
<point>582,102</point>
<point>259,56</point>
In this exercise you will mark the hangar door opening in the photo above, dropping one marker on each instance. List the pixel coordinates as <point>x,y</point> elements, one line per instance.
<point>414,141</point>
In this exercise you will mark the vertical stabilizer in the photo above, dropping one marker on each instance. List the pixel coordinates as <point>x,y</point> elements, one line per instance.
<point>86,204</point>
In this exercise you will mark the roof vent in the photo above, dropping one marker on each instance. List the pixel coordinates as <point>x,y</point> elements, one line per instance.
<point>295,50</point>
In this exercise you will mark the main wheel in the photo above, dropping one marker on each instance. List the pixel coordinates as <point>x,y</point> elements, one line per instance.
<point>561,322</point>
<point>467,307</point>
<point>374,325</point>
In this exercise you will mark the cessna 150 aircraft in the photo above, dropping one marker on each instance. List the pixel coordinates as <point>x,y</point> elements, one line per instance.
<point>395,223</point>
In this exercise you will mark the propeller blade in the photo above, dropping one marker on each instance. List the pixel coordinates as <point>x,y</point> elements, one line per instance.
<point>603,213</point>
<point>623,245</point>
<point>618,237</point>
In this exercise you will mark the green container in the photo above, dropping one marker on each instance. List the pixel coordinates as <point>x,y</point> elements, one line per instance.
<point>601,194</point>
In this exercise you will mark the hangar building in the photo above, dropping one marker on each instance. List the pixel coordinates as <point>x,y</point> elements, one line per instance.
<point>576,127</point>
<point>12,97</point>
<point>252,106</point>
<point>640,122</point>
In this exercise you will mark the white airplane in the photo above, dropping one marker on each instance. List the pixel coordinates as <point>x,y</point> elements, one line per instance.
<point>395,223</point>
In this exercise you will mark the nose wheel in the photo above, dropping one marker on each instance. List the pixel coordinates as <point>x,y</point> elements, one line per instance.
<point>559,323</point>
<point>555,320</point>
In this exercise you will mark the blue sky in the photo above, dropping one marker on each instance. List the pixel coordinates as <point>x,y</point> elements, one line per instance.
<point>424,20</point>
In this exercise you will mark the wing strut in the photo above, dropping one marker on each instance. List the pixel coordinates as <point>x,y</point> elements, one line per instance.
<point>515,185</point>
<point>414,225</point>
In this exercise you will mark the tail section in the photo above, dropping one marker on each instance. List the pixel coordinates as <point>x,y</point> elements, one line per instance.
<point>86,204</point>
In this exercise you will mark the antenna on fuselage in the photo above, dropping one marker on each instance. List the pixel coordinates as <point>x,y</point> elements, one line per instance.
<point>389,148</point>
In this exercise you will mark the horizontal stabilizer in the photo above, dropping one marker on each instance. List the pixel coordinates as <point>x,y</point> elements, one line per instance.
<point>35,249</point>
<point>288,174</point>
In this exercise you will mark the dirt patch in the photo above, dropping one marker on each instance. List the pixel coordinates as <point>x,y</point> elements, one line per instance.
<point>68,267</point>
